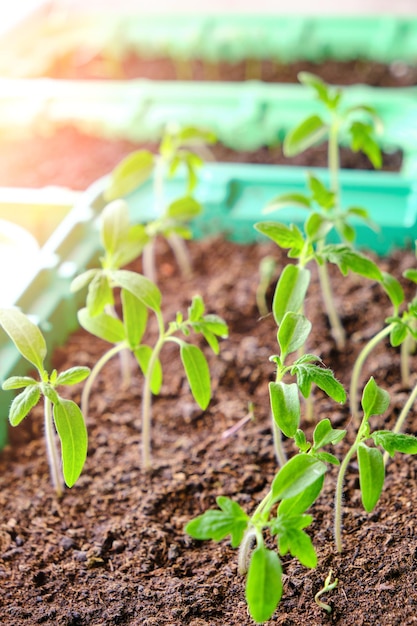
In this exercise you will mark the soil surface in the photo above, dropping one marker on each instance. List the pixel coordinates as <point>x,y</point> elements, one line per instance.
<point>73,159</point>
<point>85,64</point>
<point>113,550</point>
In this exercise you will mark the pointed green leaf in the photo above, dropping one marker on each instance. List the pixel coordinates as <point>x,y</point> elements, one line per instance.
<point>197,372</point>
<point>308,133</point>
<point>297,542</point>
<point>18,382</point>
<point>375,400</point>
<point>135,318</point>
<point>296,475</point>
<point>285,405</point>
<point>393,289</point>
<point>371,475</point>
<point>263,584</point>
<point>129,174</point>
<point>99,294</point>
<point>348,259</point>
<point>317,227</point>
<point>308,373</point>
<point>70,425</point>
<point>83,280</point>
<point>140,286</point>
<point>324,434</point>
<point>25,335</point>
<point>196,309</point>
<point>230,520</point>
<point>114,225</point>
<point>284,236</point>
<point>73,376</point>
<point>301,502</point>
<point>292,333</point>
<point>290,291</point>
<point>184,209</point>
<point>103,326</point>
<point>395,442</point>
<point>324,197</point>
<point>23,403</point>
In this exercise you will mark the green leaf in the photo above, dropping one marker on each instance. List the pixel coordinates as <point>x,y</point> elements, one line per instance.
<point>290,291</point>
<point>296,475</point>
<point>25,335</point>
<point>398,333</point>
<point>73,375</point>
<point>135,318</point>
<point>375,400</point>
<point>287,199</point>
<point>371,475</point>
<point>143,355</point>
<point>23,403</point>
<point>215,324</point>
<point>393,289</point>
<point>197,372</point>
<point>184,209</point>
<point>328,95</point>
<point>395,442</point>
<point>292,333</point>
<point>263,584</point>
<point>326,457</point>
<point>129,174</point>
<point>300,503</point>
<point>196,309</point>
<point>324,434</point>
<point>362,140</point>
<point>114,225</point>
<point>230,520</point>
<point>411,274</point>
<point>308,373</point>
<point>140,286</point>
<point>291,538</point>
<point>83,280</point>
<point>285,405</point>
<point>99,294</point>
<point>317,227</point>
<point>72,432</point>
<point>348,259</point>
<point>18,382</point>
<point>324,197</point>
<point>103,326</point>
<point>284,236</point>
<point>308,133</point>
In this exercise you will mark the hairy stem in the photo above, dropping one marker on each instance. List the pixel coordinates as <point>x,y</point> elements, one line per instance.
<point>148,261</point>
<point>85,396</point>
<point>339,496</point>
<point>278,447</point>
<point>357,368</point>
<point>181,254</point>
<point>52,449</point>
<point>338,331</point>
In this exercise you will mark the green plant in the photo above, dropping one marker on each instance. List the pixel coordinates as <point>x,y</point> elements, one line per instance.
<point>355,125</point>
<point>59,412</point>
<point>375,401</point>
<point>138,296</point>
<point>179,147</point>
<point>295,487</point>
<point>328,586</point>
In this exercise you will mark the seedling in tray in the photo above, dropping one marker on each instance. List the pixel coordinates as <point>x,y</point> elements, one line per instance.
<point>59,412</point>
<point>355,125</point>
<point>179,147</point>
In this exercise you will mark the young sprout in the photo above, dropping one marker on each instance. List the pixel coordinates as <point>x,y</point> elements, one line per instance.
<point>375,401</point>
<point>298,483</point>
<point>179,147</point>
<point>60,414</point>
<point>138,296</point>
<point>328,586</point>
<point>356,125</point>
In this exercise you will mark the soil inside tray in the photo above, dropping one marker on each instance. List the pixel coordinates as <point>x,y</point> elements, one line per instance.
<point>73,159</point>
<point>113,551</point>
<point>83,64</point>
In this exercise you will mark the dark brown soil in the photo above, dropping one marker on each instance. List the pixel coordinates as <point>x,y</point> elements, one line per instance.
<point>113,550</point>
<point>83,64</point>
<point>41,160</point>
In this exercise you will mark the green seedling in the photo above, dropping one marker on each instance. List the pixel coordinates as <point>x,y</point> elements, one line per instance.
<point>400,328</point>
<point>282,512</point>
<point>328,586</point>
<point>307,247</point>
<point>356,125</point>
<point>139,296</point>
<point>59,413</point>
<point>366,447</point>
<point>179,147</point>
<point>308,370</point>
